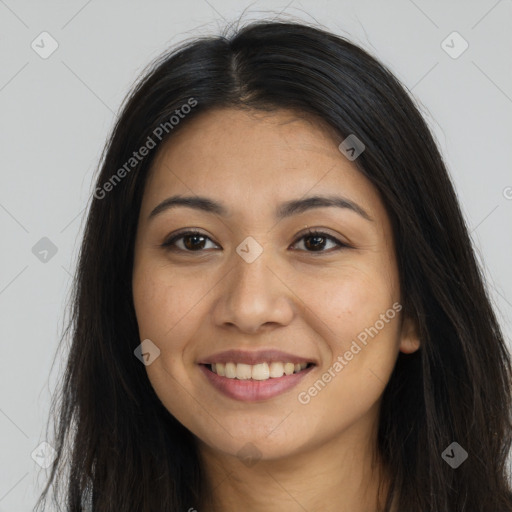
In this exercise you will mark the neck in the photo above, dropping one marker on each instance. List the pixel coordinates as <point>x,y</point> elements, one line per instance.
<point>341,475</point>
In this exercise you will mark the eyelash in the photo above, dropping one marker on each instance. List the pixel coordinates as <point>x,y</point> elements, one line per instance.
<point>170,244</point>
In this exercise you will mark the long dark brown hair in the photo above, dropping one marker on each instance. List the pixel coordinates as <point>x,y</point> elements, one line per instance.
<point>117,443</point>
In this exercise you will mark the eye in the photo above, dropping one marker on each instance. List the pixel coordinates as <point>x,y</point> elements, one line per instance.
<point>194,241</point>
<point>319,239</point>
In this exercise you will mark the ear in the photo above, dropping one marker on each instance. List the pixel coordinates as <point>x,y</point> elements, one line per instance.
<point>409,338</point>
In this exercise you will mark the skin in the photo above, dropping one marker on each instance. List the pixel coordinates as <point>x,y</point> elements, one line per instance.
<point>296,297</point>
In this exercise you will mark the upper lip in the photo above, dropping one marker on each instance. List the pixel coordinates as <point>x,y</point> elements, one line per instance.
<point>254,357</point>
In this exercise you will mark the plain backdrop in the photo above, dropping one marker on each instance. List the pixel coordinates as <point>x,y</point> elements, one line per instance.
<point>57,111</point>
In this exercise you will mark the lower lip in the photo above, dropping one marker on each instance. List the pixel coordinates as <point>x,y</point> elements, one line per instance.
<point>253,390</point>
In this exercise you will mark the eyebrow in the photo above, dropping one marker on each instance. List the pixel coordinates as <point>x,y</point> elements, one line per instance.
<point>286,209</point>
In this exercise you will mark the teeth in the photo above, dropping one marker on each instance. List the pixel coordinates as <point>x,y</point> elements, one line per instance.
<point>261,371</point>
<point>243,371</point>
<point>289,368</point>
<point>276,370</point>
<point>220,369</point>
<point>230,370</point>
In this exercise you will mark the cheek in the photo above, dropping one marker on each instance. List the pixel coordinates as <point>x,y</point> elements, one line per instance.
<point>363,338</point>
<point>164,310</point>
<point>160,302</point>
<point>364,330</point>
<point>354,300</point>
<point>170,307</point>
<point>150,309</point>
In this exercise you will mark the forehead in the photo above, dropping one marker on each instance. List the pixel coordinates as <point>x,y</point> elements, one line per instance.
<point>252,159</point>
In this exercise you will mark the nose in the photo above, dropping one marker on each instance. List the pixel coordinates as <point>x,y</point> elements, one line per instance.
<point>254,296</point>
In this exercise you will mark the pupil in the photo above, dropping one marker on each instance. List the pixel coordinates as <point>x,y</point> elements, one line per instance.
<point>192,245</point>
<point>316,237</point>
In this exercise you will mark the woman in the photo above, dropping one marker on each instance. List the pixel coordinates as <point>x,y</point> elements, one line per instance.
<point>277,305</point>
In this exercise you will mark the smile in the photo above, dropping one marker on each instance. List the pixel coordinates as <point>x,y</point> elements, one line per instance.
<point>253,383</point>
<point>261,371</point>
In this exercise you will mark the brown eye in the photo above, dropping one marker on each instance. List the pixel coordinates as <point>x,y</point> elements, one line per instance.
<point>192,241</point>
<point>315,241</point>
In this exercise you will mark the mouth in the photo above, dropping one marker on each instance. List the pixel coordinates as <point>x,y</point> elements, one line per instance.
<point>255,383</point>
<point>258,372</point>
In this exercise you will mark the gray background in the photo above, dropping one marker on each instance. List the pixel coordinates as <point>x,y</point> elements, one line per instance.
<point>57,112</point>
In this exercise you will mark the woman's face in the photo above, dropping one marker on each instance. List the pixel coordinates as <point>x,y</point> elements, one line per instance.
<point>256,284</point>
